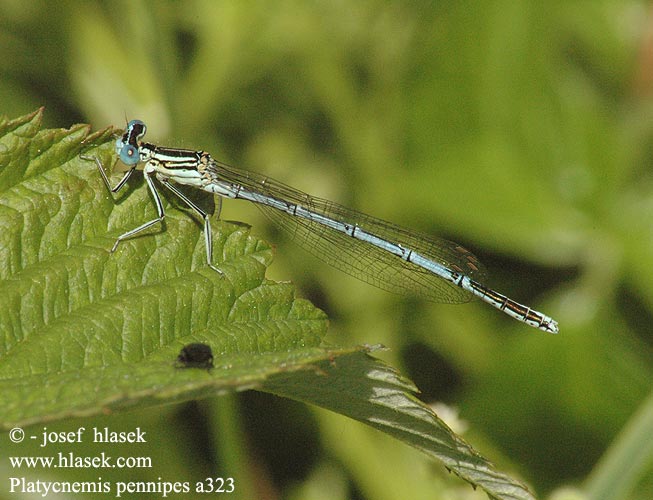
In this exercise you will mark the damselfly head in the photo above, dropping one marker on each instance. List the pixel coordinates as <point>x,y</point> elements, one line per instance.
<point>127,145</point>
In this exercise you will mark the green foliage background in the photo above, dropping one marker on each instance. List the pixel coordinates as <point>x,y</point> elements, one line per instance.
<point>522,130</point>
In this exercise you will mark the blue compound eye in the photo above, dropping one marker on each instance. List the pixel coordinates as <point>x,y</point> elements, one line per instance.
<point>129,154</point>
<point>136,129</point>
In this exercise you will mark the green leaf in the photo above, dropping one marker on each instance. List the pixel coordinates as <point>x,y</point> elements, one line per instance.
<point>86,331</point>
<point>367,390</point>
<point>625,462</point>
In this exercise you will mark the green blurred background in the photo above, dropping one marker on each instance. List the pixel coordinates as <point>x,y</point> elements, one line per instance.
<point>522,130</point>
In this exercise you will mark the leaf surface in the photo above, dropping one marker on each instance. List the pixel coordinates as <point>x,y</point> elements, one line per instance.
<point>85,331</point>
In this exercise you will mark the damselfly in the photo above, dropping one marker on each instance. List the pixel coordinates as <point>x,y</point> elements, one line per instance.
<point>373,250</point>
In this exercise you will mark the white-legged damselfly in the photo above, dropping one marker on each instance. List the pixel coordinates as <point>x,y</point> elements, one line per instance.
<point>375,251</point>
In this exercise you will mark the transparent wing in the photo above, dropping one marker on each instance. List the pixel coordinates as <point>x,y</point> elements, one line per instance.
<point>355,257</point>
